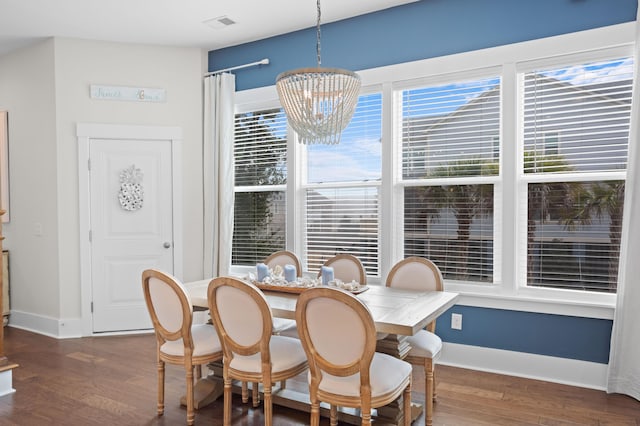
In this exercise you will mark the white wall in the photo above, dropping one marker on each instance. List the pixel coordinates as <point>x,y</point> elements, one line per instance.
<point>72,66</point>
<point>27,93</point>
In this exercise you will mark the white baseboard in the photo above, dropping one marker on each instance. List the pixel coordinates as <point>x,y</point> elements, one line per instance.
<point>540,367</point>
<point>6,382</point>
<point>48,326</point>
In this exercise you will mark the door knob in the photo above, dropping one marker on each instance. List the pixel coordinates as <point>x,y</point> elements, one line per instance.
<point>167,245</point>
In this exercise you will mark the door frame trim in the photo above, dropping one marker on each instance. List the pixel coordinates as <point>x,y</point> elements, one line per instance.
<point>85,132</point>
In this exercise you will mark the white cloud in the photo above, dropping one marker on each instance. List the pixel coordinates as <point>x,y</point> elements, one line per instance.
<point>594,73</point>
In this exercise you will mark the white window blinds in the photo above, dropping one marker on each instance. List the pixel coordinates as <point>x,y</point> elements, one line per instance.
<point>451,130</point>
<point>342,191</point>
<point>575,136</point>
<point>576,118</point>
<point>260,155</point>
<point>450,140</point>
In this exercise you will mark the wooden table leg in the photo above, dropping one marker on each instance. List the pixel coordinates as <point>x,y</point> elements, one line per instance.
<point>397,346</point>
<point>207,389</point>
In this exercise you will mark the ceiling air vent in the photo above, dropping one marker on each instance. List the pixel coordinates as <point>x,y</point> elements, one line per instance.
<point>219,22</point>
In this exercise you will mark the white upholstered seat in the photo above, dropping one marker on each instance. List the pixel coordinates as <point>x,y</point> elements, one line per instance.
<point>205,341</point>
<point>425,344</point>
<point>381,384</point>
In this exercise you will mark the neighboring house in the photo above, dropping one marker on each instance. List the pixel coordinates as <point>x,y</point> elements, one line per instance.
<point>428,143</point>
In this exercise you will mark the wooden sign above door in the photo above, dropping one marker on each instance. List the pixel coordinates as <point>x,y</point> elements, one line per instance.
<point>124,93</point>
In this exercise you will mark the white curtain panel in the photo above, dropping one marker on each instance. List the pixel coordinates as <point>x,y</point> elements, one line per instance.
<point>219,94</point>
<point>624,358</point>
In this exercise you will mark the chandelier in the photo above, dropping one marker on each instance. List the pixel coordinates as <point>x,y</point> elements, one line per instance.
<point>319,102</point>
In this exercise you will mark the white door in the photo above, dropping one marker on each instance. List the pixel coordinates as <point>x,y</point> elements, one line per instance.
<point>131,227</point>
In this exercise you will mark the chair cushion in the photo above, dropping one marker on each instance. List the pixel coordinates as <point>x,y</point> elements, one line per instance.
<point>386,374</point>
<point>290,332</point>
<point>286,353</point>
<point>281,324</point>
<point>205,342</point>
<point>425,344</point>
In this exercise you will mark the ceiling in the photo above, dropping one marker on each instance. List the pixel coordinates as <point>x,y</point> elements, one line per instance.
<point>168,22</point>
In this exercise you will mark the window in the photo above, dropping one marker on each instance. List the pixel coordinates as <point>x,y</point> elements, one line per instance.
<point>510,175</point>
<point>260,152</point>
<point>449,148</point>
<point>342,191</point>
<point>576,191</point>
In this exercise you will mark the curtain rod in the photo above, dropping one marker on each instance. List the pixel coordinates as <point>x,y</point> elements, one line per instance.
<point>264,61</point>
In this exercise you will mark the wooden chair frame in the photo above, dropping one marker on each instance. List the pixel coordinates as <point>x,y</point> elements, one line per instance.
<point>351,258</point>
<point>230,346</point>
<point>429,366</point>
<point>184,332</point>
<point>318,364</point>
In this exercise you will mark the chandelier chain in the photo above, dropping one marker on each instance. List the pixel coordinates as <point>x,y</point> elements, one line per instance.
<point>318,35</point>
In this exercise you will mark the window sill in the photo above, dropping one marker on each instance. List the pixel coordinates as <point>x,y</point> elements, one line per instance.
<point>545,301</point>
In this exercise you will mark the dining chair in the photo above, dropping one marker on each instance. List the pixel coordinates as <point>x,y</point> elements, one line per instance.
<point>282,258</point>
<point>339,337</point>
<point>283,326</point>
<point>417,273</point>
<point>180,342</point>
<point>242,317</point>
<point>347,268</point>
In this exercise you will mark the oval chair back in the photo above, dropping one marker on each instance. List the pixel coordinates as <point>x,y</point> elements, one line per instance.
<point>415,273</point>
<point>282,258</point>
<point>347,268</point>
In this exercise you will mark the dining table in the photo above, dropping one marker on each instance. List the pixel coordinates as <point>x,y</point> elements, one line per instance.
<point>397,313</point>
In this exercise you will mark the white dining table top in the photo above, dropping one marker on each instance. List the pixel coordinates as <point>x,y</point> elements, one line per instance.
<point>394,310</point>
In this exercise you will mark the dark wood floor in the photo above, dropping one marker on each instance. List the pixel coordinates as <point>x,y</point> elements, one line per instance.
<point>112,381</point>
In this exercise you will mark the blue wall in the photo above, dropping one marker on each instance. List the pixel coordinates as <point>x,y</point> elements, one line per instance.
<point>420,30</point>
<point>431,28</point>
<point>585,339</point>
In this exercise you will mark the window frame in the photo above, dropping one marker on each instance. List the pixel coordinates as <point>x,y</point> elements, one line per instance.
<point>262,105</point>
<point>509,290</point>
<point>495,180</point>
<point>304,185</point>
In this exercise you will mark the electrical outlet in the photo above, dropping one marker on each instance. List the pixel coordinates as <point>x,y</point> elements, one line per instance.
<point>456,321</point>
